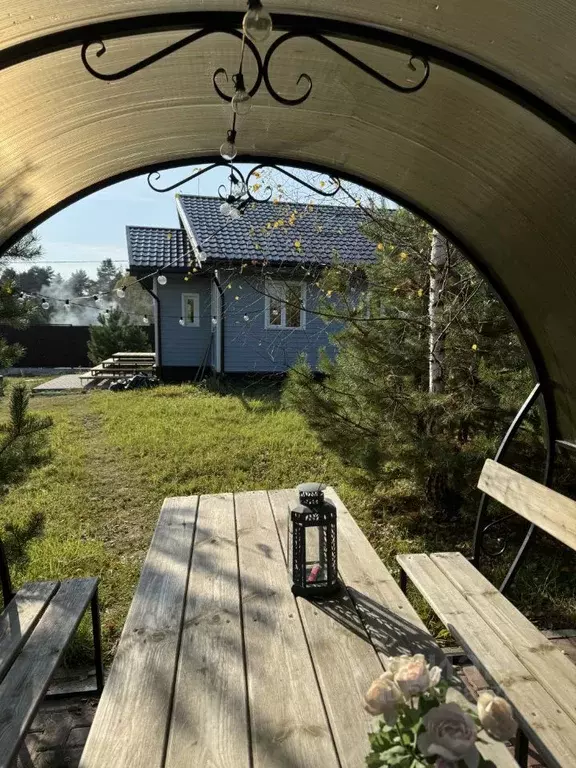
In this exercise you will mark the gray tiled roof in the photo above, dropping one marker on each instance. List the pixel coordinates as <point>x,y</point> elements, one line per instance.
<point>157,247</point>
<point>322,231</point>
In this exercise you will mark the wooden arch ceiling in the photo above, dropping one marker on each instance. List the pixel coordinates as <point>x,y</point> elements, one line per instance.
<point>485,149</point>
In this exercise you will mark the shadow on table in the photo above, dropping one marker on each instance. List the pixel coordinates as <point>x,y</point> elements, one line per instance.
<point>389,633</point>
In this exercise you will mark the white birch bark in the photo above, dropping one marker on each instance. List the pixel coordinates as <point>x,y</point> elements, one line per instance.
<point>438,260</point>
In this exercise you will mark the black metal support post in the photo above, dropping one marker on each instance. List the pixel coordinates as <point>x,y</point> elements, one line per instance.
<point>157,329</point>
<point>480,527</point>
<point>546,480</point>
<point>97,638</point>
<point>221,320</point>
<point>521,748</point>
<point>403,581</point>
<point>5,580</point>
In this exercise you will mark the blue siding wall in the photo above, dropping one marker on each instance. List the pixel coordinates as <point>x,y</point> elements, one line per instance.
<point>250,347</point>
<point>184,346</point>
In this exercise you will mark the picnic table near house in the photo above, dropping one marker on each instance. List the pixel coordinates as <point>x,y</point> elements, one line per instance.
<point>220,665</point>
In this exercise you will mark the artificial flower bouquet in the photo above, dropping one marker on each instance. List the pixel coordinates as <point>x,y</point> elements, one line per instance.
<point>423,722</point>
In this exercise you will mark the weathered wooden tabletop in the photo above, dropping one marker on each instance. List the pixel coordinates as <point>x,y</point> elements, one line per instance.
<point>219,665</point>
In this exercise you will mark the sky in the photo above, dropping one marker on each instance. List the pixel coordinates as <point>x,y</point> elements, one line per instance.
<point>94,228</point>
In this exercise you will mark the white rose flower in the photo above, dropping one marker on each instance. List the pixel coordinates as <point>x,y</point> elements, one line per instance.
<point>413,675</point>
<point>496,716</point>
<point>383,698</point>
<point>450,733</point>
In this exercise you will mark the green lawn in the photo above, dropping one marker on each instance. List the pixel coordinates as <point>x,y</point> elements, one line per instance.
<point>115,456</point>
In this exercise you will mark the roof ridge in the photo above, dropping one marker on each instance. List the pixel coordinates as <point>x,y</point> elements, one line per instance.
<point>315,204</point>
<point>147,226</point>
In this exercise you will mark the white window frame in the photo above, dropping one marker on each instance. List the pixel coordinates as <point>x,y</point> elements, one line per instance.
<point>196,299</point>
<point>272,286</point>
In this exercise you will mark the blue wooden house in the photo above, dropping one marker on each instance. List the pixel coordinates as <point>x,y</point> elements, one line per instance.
<point>240,295</point>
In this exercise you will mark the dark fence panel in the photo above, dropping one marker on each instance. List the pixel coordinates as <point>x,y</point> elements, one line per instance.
<point>55,346</point>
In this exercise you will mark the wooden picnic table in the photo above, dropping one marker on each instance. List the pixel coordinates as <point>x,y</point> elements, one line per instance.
<point>220,665</point>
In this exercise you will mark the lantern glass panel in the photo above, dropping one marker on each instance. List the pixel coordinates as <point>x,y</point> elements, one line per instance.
<point>316,570</point>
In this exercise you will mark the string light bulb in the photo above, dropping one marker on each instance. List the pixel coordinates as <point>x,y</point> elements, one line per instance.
<point>228,149</point>
<point>181,321</point>
<point>246,318</point>
<point>145,320</point>
<point>257,22</point>
<point>45,304</point>
<point>214,321</point>
<point>67,304</point>
<point>241,101</point>
<point>121,292</point>
<point>225,209</point>
<point>162,279</point>
<point>234,213</point>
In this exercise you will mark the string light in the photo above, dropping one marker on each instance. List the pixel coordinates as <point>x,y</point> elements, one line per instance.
<point>145,320</point>
<point>241,101</point>
<point>45,304</point>
<point>162,279</point>
<point>214,321</point>
<point>121,292</point>
<point>257,23</point>
<point>246,318</point>
<point>67,304</point>
<point>181,321</point>
<point>228,149</point>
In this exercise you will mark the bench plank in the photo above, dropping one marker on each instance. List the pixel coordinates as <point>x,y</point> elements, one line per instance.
<point>287,718</point>
<point>542,506</point>
<point>209,725</point>
<point>345,661</point>
<point>547,725</point>
<point>20,617</point>
<point>28,678</point>
<point>552,668</point>
<point>131,722</point>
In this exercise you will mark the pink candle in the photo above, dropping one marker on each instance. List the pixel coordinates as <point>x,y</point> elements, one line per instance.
<point>313,575</point>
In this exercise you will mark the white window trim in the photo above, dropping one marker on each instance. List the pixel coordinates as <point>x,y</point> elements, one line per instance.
<point>282,325</point>
<point>196,299</point>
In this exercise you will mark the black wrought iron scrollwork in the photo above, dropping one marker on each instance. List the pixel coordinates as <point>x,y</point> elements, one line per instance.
<point>168,51</point>
<point>262,67</point>
<point>248,186</point>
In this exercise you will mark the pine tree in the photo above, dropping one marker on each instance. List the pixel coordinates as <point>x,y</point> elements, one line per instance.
<point>374,406</point>
<point>115,333</point>
<point>23,439</point>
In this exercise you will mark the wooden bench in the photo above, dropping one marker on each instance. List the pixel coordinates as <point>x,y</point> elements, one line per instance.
<point>36,627</point>
<point>219,664</point>
<point>535,676</point>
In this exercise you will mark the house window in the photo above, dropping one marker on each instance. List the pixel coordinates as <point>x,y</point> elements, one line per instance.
<point>285,304</point>
<point>191,309</point>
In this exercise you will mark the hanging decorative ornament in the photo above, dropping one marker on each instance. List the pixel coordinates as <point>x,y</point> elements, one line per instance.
<point>45,304</point>
<point>241,101</point>
<point>228,149</point>
<point>162,279</point>
<point>257,23</point>
<point>121,292</point>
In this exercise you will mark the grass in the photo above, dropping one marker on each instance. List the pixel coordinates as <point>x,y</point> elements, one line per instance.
<point>115,456</point>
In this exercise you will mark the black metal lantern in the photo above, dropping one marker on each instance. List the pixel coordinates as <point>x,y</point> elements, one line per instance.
<point>312,543</point>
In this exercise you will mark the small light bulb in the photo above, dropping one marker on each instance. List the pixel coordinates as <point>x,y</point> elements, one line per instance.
<point>22,296</point>
<point>145,319</point>
<point>225,209</point>
<point>257,22</point>
<point>67,304</point>
<point>275,312</point>
<point>181,321</point>
<point>214,321</point>
<point>241,102</point>
<point>45,304</point>
<point>234,213</point>
<point>107,312</point>
<point>121,292</point>
<point>228,150</point>
<point>246,318</point>
<point>162,279</point>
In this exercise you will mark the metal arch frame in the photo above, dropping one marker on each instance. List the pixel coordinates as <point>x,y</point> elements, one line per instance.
<point>481,528</point>
<point>298,26</point>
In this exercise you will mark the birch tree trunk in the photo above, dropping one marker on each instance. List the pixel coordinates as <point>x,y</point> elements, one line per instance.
<point>438,261</point>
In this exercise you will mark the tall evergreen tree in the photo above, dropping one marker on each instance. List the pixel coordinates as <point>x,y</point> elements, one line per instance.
<point>115,333</point>
<point>421,390</point>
